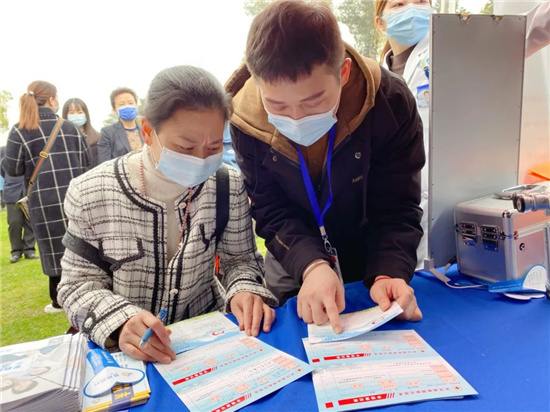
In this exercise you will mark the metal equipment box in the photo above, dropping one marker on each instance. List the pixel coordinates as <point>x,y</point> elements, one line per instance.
<point>494,241</point>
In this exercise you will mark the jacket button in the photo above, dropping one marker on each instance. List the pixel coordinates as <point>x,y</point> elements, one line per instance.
<point>275,158</point>
<point>183,205</point>
<point>174,292</point>
<point>358,155</point>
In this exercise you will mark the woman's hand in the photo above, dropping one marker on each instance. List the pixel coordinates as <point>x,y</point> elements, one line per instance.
<point>157,348</point>
<point>249,309</point>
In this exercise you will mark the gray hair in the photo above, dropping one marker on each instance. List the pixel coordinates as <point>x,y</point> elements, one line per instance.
<point>188,88</point>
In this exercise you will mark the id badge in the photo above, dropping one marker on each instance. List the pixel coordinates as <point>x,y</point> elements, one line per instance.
<point>333,254</point>
<point>423,96</point>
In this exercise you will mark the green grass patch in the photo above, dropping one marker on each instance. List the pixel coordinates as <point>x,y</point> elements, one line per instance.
<point>24,291</point>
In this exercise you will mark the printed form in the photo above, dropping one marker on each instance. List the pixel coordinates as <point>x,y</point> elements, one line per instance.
<point>381,368</point>
<point>201,330</point>
<point>353,324</point>
<point>229,372</point>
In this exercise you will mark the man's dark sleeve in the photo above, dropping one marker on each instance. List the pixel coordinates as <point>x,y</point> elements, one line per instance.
<point>104,146</point>
<point>394,187</point>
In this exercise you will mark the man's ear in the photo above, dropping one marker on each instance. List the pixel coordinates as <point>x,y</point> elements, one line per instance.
<point>147,130</point>
<point>345,71</point>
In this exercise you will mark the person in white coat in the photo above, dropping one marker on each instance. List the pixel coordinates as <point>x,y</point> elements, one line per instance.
<point>538,28</point>
<point>406,25</point>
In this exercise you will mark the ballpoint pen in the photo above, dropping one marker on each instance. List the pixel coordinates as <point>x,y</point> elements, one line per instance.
<point>149,332</point>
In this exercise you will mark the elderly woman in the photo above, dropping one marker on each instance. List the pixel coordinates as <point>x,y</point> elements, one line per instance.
<point>142,228</point>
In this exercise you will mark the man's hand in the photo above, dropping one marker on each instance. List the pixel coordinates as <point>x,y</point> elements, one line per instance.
<point>321,297</point>
<point>249,309</point>
<point>157,348</point>
<point>386,289</point>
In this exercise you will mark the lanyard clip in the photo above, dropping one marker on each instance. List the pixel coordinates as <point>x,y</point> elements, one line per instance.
<point>328,246</point>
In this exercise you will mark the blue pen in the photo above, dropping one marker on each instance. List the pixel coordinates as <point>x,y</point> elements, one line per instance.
<point>147,335</point>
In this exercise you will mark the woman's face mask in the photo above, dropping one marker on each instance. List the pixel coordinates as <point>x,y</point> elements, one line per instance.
<point>408,25</point>
<point>187,170</point>
<point>79,119</point>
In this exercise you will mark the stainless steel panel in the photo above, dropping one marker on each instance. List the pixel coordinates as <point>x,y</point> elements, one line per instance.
<point>476,77</point>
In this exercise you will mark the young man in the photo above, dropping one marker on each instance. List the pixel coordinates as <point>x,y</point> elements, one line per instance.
<point>330,147</point>
<point>125,135</point>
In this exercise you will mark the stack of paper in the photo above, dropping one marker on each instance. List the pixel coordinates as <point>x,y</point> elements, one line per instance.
<point>43,375</point>
<point>226,369</point>
<point>381,368</point>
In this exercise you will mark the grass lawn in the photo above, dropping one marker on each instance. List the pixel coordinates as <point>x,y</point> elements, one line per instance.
<point>24,293</point>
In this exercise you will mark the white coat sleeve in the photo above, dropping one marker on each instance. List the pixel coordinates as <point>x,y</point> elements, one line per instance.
<point>538,28</point>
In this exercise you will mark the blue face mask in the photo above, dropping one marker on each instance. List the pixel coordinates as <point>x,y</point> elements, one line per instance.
<point>186,170</point>
<point>127,112</point>
<point>408,25</point>
<point>307,130</point>
<point>77,119</point>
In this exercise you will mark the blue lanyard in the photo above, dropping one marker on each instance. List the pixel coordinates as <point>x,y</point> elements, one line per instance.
<point>319,216</point>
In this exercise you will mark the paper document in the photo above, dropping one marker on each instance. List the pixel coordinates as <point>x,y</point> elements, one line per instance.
<point>382,368</point>
<point>196,332</point>
<point>353,324</point>
<point>230,372</point>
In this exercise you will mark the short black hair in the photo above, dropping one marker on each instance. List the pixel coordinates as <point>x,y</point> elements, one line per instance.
<point>288,39</point>
<point>119,91</point>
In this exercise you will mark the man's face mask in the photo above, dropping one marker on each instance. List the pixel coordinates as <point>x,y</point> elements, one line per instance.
<point>307,130</point>
<point>127,112</point>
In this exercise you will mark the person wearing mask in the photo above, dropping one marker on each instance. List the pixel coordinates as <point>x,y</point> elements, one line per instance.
<point>20,231</point>
<point>406,24</point>
<point>67,157</point>
<point>151,216</point>
<point>330,147</point>
<point>125,135</point>
<point>76,111</point>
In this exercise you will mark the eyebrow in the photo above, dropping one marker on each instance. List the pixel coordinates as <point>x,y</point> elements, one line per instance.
<point>193,141</point>
<point>312,97</point>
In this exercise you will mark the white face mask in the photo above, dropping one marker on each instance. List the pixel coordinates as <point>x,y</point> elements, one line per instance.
<point>307,130</point>
<point>187,170</point>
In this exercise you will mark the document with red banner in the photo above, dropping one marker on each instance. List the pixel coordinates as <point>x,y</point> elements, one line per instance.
<point>230,372</point>
<point>353,324</point>
<point>381,368</point>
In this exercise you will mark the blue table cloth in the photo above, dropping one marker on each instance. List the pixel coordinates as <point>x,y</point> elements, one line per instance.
<point>500,346</point>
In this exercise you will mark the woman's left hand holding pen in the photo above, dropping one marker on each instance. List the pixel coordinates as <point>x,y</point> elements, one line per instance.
<point>157,348</point>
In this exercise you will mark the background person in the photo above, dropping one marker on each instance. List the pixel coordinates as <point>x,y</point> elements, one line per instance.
<point>76,111</point>
<point>125,135</point>
<point>68,158</point>
<point>20,231</point>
